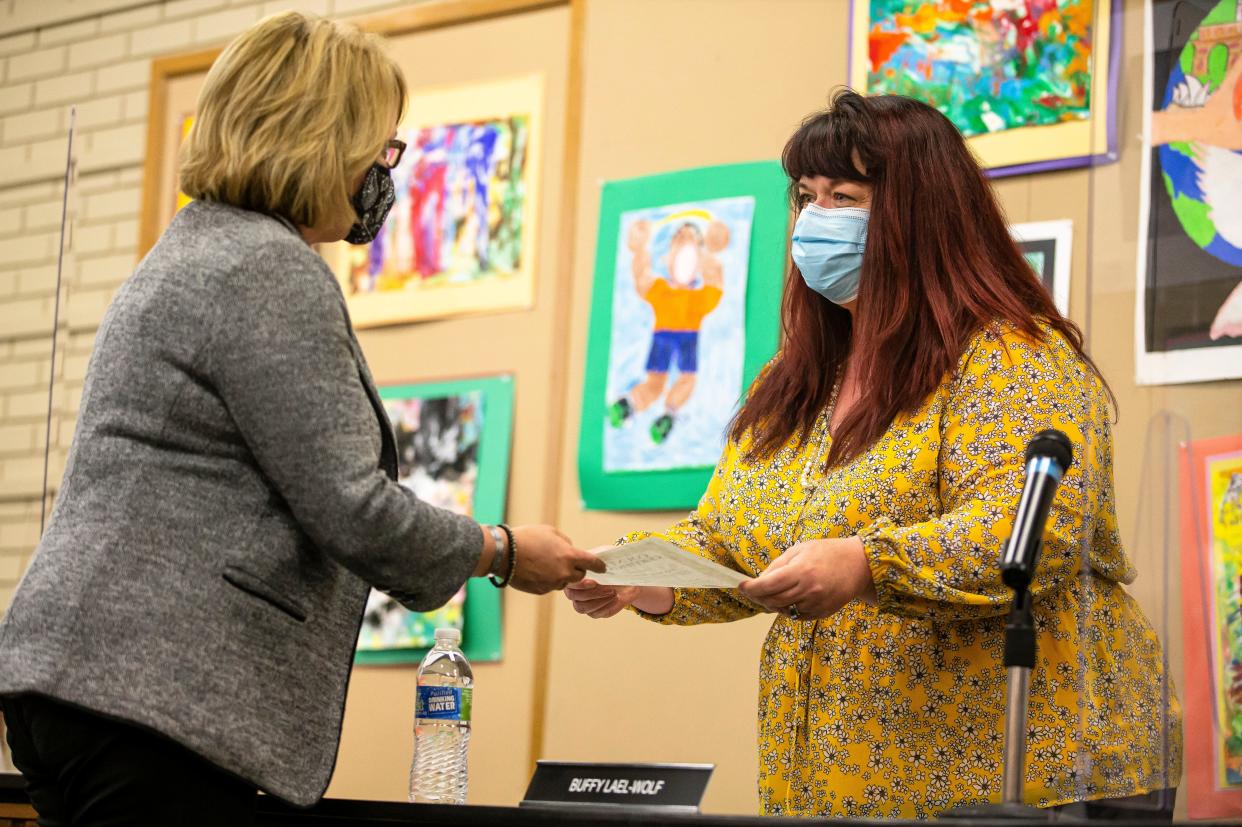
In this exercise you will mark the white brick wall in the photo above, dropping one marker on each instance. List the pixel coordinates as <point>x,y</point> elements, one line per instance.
<point>161,38</point>
<point>54,54</point>
<point>98,51</point>
<point>69,32</point>
<point>55,17</point>
<point>37,64</point>
<point>16,98</point>
<point>17,43</point>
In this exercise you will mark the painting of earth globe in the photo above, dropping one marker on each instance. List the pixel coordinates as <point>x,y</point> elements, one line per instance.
<point>1205,181</point>
<point>1191,277</point>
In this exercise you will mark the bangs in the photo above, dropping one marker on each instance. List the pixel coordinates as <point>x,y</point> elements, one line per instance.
<point>827,143</point>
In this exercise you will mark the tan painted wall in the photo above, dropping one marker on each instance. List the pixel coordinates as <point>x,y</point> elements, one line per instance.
<point>690,694</point>
<point>378,740</point>
<point>711,87</point>
<point>667,84</point>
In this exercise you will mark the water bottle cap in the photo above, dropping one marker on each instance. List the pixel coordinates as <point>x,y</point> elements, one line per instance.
<point>449,634</point>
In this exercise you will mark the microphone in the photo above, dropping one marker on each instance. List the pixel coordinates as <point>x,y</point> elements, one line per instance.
<point>1048,456</point>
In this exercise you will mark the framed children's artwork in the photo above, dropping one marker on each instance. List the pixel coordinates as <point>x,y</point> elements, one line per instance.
<point>1047,246</point>
<point>1211,533</point>
<point>1032,86</point>
<point>685,310</point>
<point>1188,308</point>
<point>461,236</point>
<point>172,100</point>
<point>453,441</point>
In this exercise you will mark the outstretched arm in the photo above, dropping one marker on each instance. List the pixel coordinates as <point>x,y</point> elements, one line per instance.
<point>701,533</point>
<point>1228,321</point>
<point>717,239</point>
<point>1218,122</point>
<point>644,276</point>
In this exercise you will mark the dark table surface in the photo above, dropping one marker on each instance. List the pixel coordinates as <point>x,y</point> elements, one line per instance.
<point>343,812</point>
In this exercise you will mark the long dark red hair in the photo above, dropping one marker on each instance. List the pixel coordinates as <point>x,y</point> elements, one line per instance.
<point>939,265</point>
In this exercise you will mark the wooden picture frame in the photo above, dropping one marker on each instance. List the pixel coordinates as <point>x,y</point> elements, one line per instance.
<point>159,166</point>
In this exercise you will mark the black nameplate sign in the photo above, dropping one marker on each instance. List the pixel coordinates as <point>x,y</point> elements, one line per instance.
<point>662,786</point>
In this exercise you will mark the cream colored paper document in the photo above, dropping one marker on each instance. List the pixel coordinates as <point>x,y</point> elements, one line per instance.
<point>654,562</point>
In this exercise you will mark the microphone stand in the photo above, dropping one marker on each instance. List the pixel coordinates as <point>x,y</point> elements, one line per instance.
<point>1019,660</point>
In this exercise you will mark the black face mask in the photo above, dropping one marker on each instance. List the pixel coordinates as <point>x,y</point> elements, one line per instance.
<point>372,202</point>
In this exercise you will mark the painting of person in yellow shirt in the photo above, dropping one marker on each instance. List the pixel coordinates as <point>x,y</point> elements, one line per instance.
<point>677,333</point>
<point>693,288</point>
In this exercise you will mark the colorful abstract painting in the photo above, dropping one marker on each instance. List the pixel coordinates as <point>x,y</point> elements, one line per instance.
<point>458,216</point>
<point>684,312</point>
<point>460,238</point>
<point>1224,501</point>
<point>998,69</point>
<point>1211,518</point>
<point>989,66</point>
<point>678,316</point>
<point>187,124</point>
<point>452,451</point>
<point>1190,270</point>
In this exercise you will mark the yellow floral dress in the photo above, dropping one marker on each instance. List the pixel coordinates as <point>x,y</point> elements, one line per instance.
<point>897,710</point>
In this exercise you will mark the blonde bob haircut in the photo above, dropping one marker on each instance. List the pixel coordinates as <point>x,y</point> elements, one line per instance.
<point>292,113</point>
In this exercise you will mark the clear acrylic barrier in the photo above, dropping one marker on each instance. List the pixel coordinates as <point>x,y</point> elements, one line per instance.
<point>1128,712</point>
<point>53,433</point>
<point>61,410</point>
<point>1103,721</point>
<point>1151,291</point>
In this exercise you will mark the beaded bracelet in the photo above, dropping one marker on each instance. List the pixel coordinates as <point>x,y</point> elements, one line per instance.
<point>512,567</point>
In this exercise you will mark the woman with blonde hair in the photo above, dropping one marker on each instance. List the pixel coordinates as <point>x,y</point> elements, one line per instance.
<point>185,632</point>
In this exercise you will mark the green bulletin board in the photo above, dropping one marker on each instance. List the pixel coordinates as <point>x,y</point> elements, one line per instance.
<point>482,617</point>
<point>690,201</point>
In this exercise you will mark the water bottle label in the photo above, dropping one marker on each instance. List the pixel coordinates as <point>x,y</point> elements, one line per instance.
<point>444,703</point>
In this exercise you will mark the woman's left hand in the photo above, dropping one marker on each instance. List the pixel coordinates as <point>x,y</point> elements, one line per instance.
<point>814,579</point>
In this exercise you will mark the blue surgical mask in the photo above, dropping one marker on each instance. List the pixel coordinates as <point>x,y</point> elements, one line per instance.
<point>828,250</point>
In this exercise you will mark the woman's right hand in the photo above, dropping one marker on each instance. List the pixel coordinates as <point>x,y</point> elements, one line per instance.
<point>593,600</point>
<point>547,560</point>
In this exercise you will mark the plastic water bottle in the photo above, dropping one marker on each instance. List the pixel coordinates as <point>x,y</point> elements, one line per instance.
<point>442,723</point>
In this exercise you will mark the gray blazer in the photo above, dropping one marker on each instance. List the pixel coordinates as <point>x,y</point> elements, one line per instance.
<point>228,497</point>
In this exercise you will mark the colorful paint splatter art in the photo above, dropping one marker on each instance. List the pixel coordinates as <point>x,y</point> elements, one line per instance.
<point>463,235</point>
<point>459,211</point>
<point>1209,489</point>
<point>438,459</point>
<point>186,125</point>
<point>988,65</point>
<point>1224,486</point>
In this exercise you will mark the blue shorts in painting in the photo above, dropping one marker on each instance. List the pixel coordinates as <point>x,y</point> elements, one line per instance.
<point>665,344</point>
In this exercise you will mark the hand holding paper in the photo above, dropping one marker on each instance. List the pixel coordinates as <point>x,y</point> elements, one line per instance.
<point>655,562</point>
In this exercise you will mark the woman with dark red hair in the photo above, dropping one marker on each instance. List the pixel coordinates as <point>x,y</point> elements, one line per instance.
<point>871,479</point>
